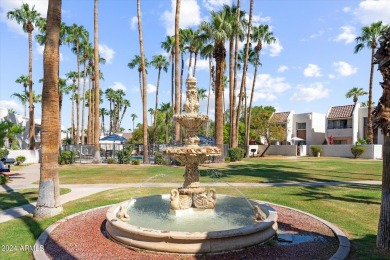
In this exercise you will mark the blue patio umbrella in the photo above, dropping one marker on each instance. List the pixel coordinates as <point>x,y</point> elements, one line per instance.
<point>114,138</point>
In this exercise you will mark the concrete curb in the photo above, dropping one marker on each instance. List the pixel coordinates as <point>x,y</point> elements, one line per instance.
<point>341,253</point>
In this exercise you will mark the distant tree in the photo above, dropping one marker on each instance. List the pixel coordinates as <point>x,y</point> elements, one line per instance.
<point>27,17</point>
<point>133,116</point>
<point>24,79</point>
<point>369,38</point>
<point>355,93</point>
<point>8,131</point>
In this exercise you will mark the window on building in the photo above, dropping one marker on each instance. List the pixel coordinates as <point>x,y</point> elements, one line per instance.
<point>340,142</point>
<point>301,126</point>
<point>338,124</point>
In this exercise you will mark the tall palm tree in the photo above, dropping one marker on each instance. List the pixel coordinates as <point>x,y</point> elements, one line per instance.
<point>72,75</point>
<point>159,62</point>
<point>381,114</point>
<point>355,93</point>
<point>48,203</point>
<point>96,132</point>
<point>62,88</point>
<point>137,62</point>
<point>110,96</point>
<point>166,108</point>
<point>177,82</point>
<point>133,116</point>
<point>218,31</point>
<point>245,66</point>
<point>24,79</point>
<point>76,35</point>
<point>144,83</point>
<point>151,112</point>
<point>27,17</point>
<point>126,104</point>
<point>23,98</point>
<point>260,34</point>
<point>369,38</point>
<point>103,112</point>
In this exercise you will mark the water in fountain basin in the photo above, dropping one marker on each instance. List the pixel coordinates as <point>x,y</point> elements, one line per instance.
<point>153,213</point>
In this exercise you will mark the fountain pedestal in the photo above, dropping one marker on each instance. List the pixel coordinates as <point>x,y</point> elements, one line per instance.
<point>191,155</point>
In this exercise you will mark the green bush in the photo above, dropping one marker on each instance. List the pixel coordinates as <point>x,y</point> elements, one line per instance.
<point>236,154</point>
<point>357,151</point>
<point>136,162</point>
<point>3,153</point>
<point>66,157</point>
<point>20,159</point>
<point>111,161</point>
<point>124,156</point>
<point>315,150</point>
<point>160,159</point>
<point>227,159</point>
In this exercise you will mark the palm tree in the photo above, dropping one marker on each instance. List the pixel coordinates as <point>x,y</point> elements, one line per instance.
<point>103,112</point>
<point>261,34</point>
<point>48,203</point>
<point>133,116</point>
<point>381,114</point>
<point>369,38</point>
<point>126,104</point>
<point>158,62</point>
<point>169,46</point>
<point>177,82</point>
<point>24,79</point>
<point>151,112</point>
<point>27,17</point>
<point>76,35</point>
<point>96,125</point>
<point>137,62</point>
<point>245,66</point>
<point>23,98</point>
<point>144,99</point>
<point>218,30</point>
<point>355,93</point>
<point>86,51</point>
<point>72,75</point>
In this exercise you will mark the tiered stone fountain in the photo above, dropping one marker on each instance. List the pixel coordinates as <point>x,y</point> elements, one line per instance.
<point>190,220</point>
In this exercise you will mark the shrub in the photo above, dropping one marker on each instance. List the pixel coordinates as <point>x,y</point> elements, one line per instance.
<point>136,162</point>
<point>124,156</point>
<point>111,161</point>
<point>66,157</point>
<point>3,179</point>
<point>227,159</point>
<point>315,150</point>
<point>236,154</point>
<point>4,153</point>
<point>20,159</point>
<point>160,159</point>
<point>357,151</point>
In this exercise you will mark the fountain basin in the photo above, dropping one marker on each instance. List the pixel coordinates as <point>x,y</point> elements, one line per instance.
<point>161,235</point>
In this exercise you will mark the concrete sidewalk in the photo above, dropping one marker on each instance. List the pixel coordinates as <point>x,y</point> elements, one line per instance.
<point>23,179</point>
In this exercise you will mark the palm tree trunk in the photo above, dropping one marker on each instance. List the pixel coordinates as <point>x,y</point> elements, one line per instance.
<point>369,123</point>
<point>196,59</point>
<point>243,81</point>
<point>72,127</point>
<point>48,203</point>
<point>144,100</point>
<point>31,97</point>
<point>83,107</point>
<point>89,131</point>
<point>25,103</point>
<point>231,93</point>
<point>220,53</point>
<point>233,105</point>
<point>59,117</point>
<point>208,98</point>
<point>173,95</point>
<point>78,96</point>
<point>96,124</point>
<point>177,82</point>
<point>156,107</point>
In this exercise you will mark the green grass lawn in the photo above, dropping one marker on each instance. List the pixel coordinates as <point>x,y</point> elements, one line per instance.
<point>355,209</point>
<point>21,197</point>
<point>258,170</point>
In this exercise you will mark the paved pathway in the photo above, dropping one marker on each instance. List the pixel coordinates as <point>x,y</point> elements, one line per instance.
<point>30,174</point>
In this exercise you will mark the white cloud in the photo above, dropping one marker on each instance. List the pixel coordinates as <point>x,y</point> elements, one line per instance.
<point>373,10</point>
<point>201,64</point>
<point>344,68</point>
<point>11,104</point>
<point>106,53</point>
<point>257,19</point>
<point>316,35</point>
<point>312,70</point>
<point>331,76</point>
<point>346,9</point>
<point>118,85</point>
<point>11,5</point>
<point>347,34</point>
<point>282,68</point>
<point>313,92</point>
<point>150,88</point>
<point>134,23</point>
<point>215,4</point>
<point>274,48</point>
<point>189,15</point>
<point>266,86</point>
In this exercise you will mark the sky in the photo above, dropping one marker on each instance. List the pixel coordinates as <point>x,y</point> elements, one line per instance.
<point>309,68</point>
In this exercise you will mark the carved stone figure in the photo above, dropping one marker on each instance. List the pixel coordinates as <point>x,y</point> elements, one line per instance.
<point>205,201</point>
<point>259,214</point>
<point>179,201</point>
<point>122,213</point>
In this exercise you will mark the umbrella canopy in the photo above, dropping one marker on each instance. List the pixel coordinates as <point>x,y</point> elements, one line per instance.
<point>297,139</point>
<point>114,138</point>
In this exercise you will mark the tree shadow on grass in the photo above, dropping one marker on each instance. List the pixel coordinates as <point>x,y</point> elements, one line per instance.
<point>35,228</point>
<point>365,248</point>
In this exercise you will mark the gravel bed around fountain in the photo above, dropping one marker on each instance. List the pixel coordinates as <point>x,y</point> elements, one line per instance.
<point>83,237</point>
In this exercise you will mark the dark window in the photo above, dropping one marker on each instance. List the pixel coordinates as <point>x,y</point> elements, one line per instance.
<point>301,126</point>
